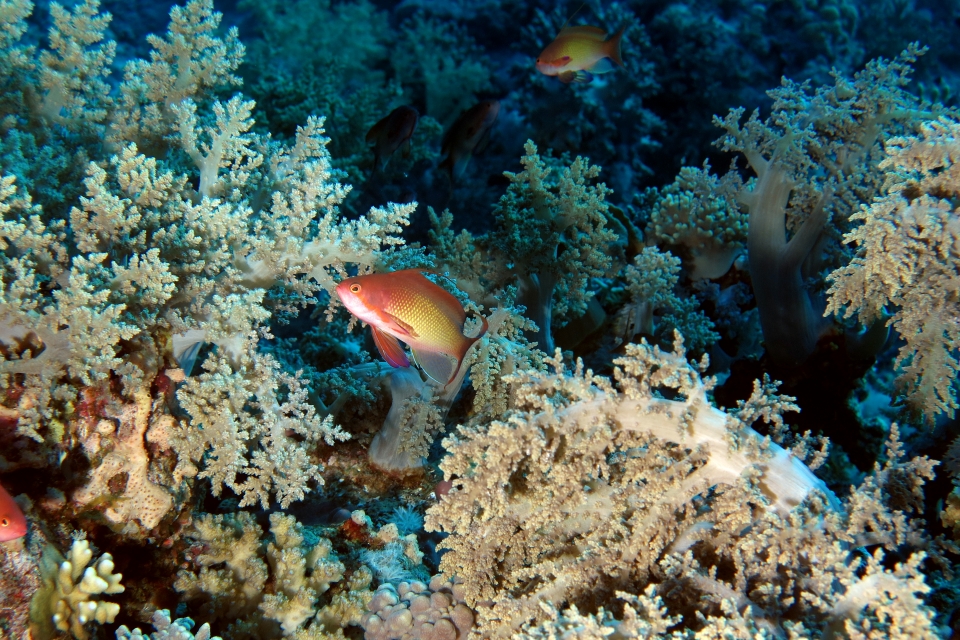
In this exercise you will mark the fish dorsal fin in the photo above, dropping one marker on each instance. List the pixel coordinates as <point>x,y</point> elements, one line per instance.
<point>438,365</point>
<point>389,348</point>
<point>585,30</point>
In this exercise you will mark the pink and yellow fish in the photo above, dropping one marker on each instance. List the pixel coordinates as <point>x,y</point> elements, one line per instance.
<point>13,524</point>
<point>579,52</point>
<point>404,305</point>
<point>468,134</point>
<point>392,132</point>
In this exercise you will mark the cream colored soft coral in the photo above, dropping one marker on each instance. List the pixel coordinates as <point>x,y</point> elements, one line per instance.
<point>585,482</point>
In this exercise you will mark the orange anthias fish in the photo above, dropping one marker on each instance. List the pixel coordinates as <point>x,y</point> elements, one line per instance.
<point>405,305</point>
<point>13,524</point>
<point>468,134</point>
<point>392,132</point>
<point>578,52</point>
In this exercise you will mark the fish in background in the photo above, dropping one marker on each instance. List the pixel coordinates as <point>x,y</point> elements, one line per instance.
<point>13,524</point>
<point>577,53</point>
<point>392,132</point>
<point>405,305</point>
<point>468,135</point>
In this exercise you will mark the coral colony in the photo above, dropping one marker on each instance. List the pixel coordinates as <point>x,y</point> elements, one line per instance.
<point>479,319</point>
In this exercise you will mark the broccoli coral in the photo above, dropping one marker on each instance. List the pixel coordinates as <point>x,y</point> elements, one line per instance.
<point>698,213</point>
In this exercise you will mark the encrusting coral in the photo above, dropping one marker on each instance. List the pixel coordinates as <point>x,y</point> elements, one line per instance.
<point>166,629</point>
<point>433,611</point>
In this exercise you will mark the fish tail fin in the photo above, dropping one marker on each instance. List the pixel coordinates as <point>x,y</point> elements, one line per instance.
<point>483,328</point>
<point>613,46</point>
<point>466,347</point>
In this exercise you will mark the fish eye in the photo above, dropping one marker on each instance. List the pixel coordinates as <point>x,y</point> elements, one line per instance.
<point>354,288</point>
<point>4,523</point>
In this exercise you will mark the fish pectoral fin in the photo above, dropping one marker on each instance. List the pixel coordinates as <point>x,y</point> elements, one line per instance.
<point>400,325</point>
<point>389,348</point>
<point>375,131</point>
<point>440,366</point>
<point>482,142</point>
<point>559,62</point>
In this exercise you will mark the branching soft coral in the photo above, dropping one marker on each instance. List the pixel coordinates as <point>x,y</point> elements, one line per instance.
<point>189,62</point>
<point>552,235</point>
<point>224,427</point>
<point>153,266</point>
<point>698,214</point>
<point>816,160</point>
<point>581,486</point>
<point>907,264</point>
<point>651,282</point>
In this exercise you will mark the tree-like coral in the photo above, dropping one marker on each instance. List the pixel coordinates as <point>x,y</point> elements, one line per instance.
<point>651,282</point>
<point>816,159</point>
<point>586,491</point>
<point>907,267</point>
<point>552,237</point>
<point>582,486</point>
<point>155,264</point>
<point>698,214</point>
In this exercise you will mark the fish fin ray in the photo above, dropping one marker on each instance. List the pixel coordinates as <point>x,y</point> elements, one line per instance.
<point>440,366</point>
<point>575,76</point>
<point>389,348</point>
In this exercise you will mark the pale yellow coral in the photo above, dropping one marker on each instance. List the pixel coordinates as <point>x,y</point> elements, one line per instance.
<point>908,264</point>
<point>72,71</point>
<point>71,599</point>
<point>190,60</point>
<point>549,496</point>
<point>699,213</point>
